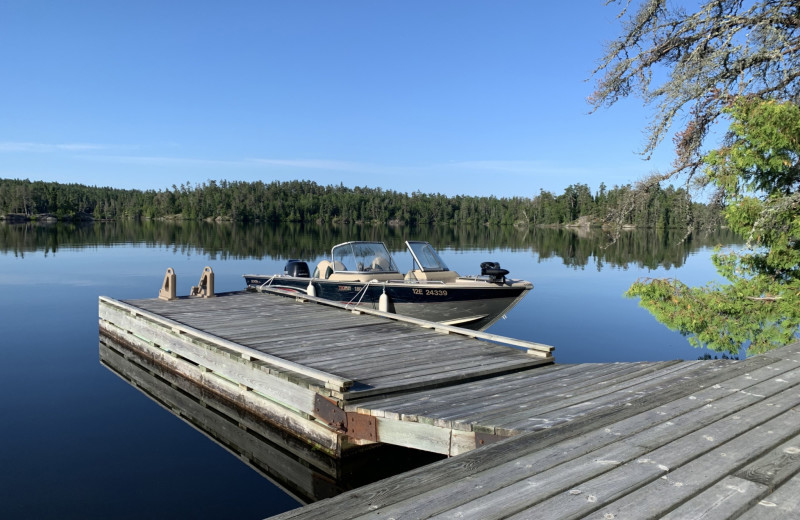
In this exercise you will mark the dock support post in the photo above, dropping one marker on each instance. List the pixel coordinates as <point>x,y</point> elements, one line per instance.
<point>205,287</point>
<point>167,291</point>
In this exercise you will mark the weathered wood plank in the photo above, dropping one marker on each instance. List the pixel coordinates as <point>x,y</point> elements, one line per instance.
<point>464,471</point>
<point>391,352</point>
<point>579,486</point>
<point>357,358</point>
<point>485,391</point>
<point>239,324</point>
<point>235,369</point>
<point>532,401</point>
<point>782,504</point>
<point>535,348</point>
<point>477,485</point>
<point>628,391</point>
<point>637,487</point>
<point>286,336</point>
<point>414,435</point>
<point>409,383</point>
<point>342,341</point>
<point>436,402</point>
<point>252,318</point>
<point>417,366</point>
<point>725,499</point>
<point>110,305</point>
<point>775,467</point>
<point>588,394</point>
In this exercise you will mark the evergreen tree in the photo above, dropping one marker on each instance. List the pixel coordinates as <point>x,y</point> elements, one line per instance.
<point>758,170</point>
<point>732,59</point>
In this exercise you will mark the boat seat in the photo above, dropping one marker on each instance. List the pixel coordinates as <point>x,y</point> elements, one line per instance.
<point>432,276</point>
<point>380,264</point>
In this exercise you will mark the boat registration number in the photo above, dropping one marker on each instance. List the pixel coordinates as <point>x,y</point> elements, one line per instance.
<point>430,292</point>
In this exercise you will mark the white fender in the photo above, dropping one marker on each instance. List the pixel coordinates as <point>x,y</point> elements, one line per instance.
<point>310,290</point>
<point>383,303</point>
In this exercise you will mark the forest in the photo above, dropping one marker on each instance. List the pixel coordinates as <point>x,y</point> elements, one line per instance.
<point>309,202</point>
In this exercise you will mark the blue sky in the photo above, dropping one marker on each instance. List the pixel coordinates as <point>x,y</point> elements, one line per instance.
<point>455,97</point>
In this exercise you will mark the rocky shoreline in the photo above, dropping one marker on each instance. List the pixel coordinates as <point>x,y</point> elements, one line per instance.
<point>45,217</point>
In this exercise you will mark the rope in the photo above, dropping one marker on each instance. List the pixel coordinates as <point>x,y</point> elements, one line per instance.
<point>362,292</point>
<point>267,283</point>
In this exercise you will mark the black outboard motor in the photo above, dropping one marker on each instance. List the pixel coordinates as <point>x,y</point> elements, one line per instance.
<point>493,271</point>
<point>296,268</point>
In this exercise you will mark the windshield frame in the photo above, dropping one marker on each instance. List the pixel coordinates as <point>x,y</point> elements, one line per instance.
<point>361,257</point>
<point>421,249</point>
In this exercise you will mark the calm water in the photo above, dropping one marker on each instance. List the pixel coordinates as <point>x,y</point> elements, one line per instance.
<point>78,441</point>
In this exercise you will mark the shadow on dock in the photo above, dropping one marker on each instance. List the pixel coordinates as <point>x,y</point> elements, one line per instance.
<point>305,473</point>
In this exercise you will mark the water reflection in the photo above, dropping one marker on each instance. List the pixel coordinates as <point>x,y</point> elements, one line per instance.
<point>305,474</point>
<point>577,248</point>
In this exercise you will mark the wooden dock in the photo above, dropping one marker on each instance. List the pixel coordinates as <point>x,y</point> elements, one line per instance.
<point>526,438</point>
<point>305,364</point>
<point>707,439</point>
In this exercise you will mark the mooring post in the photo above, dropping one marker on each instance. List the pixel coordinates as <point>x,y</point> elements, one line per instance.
<point>167,291</point>
<point>205,287</point>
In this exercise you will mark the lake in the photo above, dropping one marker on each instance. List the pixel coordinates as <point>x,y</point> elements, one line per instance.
<point>80,441</point>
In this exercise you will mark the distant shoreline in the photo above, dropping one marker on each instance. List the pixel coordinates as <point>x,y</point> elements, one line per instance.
<point>308,202</point>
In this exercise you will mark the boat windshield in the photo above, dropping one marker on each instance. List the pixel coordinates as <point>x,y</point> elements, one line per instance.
<point>362,257</point>
<point>426,256</point>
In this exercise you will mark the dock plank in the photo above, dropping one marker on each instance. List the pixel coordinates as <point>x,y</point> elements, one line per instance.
<point>689,415</point>
<point>579,487</point>
<point>775,467</point>
<point>554,379</point>
<point>691,468</point>
<point>614,389</point>
<point>353,356</point>
<point>465,477</point>
<point>783,503</point>
<point>725,499</point>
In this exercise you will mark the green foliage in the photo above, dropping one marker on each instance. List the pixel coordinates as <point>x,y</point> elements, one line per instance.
<point>687,61</point>
<point>758,171</point>
<point>713,60</point>
<point>306,201</point>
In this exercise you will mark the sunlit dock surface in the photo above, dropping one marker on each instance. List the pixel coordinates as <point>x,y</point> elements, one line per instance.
<point>708,439</point>
<point>526,438</point>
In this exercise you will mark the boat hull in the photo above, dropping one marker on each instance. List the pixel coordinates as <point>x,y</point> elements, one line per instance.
<point>472,304</point>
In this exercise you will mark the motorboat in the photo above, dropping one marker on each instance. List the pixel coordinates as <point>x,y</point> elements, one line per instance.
<point>364,274</point>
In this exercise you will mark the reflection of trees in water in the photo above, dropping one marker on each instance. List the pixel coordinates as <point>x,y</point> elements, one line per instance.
<point>647,248</point>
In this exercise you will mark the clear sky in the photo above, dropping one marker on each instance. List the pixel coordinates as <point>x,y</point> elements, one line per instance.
<point>448,96</point>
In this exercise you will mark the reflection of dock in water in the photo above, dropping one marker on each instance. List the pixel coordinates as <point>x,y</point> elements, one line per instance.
<point>305,473</point>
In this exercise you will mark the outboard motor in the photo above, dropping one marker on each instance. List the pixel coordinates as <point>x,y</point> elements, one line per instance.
<point>296,268</point>
<point>493,271</point>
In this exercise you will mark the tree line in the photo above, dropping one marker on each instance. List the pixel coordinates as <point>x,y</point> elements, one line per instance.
<point>309,202</point>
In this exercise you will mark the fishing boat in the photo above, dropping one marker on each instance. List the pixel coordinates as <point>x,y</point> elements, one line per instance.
<point>364,274</point>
